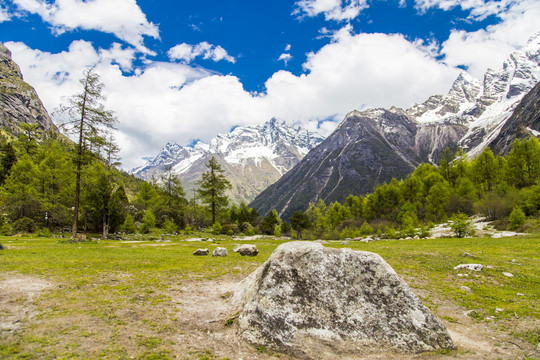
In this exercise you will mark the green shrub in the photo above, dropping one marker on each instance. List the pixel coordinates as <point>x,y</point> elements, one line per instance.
<point>517,218</point>
<point>148,222</point>
<point>462,226</point>
<point>366,229</point>
<point>217,228</point>
<point>277,231</point>
<point>45,232</point>
<point>129,225</point>
<point>169,227</point>
<point>24,224</point>
<point>6,229</point>
<point>188,230</point>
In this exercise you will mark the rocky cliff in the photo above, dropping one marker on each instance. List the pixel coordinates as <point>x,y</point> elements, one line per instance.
<point>19,102</point>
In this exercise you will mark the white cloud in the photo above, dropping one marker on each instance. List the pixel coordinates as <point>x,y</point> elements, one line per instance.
<point>123,18</point>
<point>285,58</point>
<point>175,101</point>
<point>288,47</point>
<point>4,15</point>
<point>337,10</point>
<point>488,48</point>
<point>187,53</point>
<point>479,9</point>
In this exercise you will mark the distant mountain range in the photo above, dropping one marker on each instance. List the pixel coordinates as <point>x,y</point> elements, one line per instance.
<point>373,146</point>
<point>253,157</point>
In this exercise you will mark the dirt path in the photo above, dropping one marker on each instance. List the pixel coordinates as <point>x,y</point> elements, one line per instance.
<point>205,327</point>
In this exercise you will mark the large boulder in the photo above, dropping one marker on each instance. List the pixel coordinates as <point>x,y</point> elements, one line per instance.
<point>315,302</point>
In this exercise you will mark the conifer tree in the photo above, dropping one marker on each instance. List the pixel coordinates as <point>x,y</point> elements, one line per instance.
<point>212,187</point>
<point>88,119</point>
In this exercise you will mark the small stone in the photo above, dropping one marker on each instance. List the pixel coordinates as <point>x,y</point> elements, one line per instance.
<point>520,294</point>
<point>246,250</point>
<point>466,289</point>
<point>469,313</point>
<point>219,252</point>
<point>466,254</point>
<point>472,267</point>
<point>463,275</point>
<point>491,267</point>
<point>345,242</point>
<point>201,252</point>
<point>1,247</point>
<point>499,310</point>
<point>324,242</point>
<point>507,274</point>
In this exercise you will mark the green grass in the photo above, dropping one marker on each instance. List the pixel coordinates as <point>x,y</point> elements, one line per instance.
<point>118,296</point>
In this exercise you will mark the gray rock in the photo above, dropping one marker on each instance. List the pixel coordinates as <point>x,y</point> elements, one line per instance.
<point>322,241</point>
<point>345,242</point>
<point>472,267</point>
<point>201,252</point>
<point>466,254</point>
<point>466,289</point>
<point>1,247</point>
<point>507,274</point>
<point>220,251</point>
<point>315,302</point>
<point>246,250</point>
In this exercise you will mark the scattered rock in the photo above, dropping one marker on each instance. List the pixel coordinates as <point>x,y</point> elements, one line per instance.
<point>314,302</point>
<point>1,247</point>
<point>490,267</point>
<point>463,275</point>
<point>499,310</point>
<point>220,251</point>
<point>470,313</point>
<point>520,294</point>
<point>201,252</point>
<point>466,289</point>
<point>473,267</point>
<point>246,250</point>
<point>322,242</point>
<point>466,254</point>
<point>507,274</point>
<point>345,242</point>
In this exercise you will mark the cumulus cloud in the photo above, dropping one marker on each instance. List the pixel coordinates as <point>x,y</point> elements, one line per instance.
<point>187,53</point>
<point>176,101</point>
<point>489,47</point>
<point>337,10</point>
<point>123,18</point>
<point>479,9</point>
<point>285,58</point>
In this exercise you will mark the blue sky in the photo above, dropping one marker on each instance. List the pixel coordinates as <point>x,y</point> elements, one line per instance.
<point>185,70</point>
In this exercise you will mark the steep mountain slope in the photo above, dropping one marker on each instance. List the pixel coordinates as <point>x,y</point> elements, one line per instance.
<point>253,157</point>
<point>19,102</point>
<point>373,146</point>
<point>524,123</point>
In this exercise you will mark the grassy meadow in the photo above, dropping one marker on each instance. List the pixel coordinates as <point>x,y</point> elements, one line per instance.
<point>123,299</point>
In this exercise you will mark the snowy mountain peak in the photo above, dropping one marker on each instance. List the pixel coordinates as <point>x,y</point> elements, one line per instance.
<point>272,148</point>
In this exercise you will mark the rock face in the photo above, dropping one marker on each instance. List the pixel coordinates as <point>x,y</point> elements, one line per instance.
<point>19,102</point>
<point>253,157</point>
<point>315,302</point>
<point>373,146</point>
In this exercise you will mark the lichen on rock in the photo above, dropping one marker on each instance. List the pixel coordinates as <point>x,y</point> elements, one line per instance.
<point>315,302</point>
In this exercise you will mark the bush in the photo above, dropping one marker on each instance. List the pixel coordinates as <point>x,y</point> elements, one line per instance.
<point>277,231</point>
<point>24,224</point>
<point>391,233</point>
<point>45,232</point>
<point>129,225</point>
<point>462,226</point>
<point>517,218</point>
<point>366,229</point>
<point>148,222</point>
<point>217,228</point>
<point>169,227</point>
<point>6,229</point>
<point>188,230</point>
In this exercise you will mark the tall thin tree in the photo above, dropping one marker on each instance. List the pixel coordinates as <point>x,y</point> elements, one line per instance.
<point>212,187</point>
<point>87,118</point>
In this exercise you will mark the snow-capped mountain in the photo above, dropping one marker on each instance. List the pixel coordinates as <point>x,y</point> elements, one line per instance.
<point>253,157</point>
<point>373,146</point>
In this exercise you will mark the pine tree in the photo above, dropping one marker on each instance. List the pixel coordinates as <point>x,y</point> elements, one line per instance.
<point>212,187</point>
<point>90,121</point>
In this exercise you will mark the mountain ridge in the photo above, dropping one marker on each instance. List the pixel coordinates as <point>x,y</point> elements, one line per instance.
<point>385,142</point>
